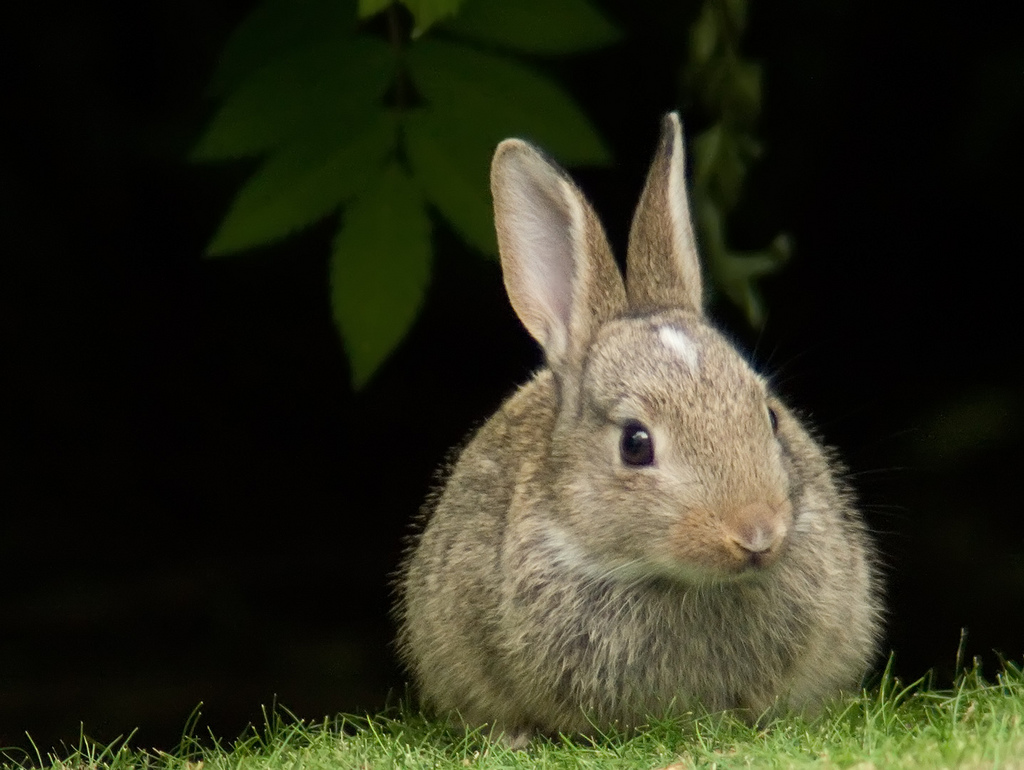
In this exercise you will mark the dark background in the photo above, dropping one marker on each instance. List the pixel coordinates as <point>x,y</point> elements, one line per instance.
<point>196,507</point>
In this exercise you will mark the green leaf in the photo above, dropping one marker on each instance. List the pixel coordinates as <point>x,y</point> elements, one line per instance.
<point>380,268</point>
<point>483,98</point>
<point>317,88</point>
<point>737,11</point>
<point>426,13</point>
<point>721,159</point>
<point>274,28</point>
<point>743,94</point>
<point>302,183</point>
<point>737,273</point>
<point>704,36</point>
<point>454,176</point>
<point>372,7</point>
<point>535,26</point>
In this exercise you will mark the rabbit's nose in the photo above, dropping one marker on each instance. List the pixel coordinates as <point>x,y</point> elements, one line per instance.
<point>756,539</point>
<point>754,533</point>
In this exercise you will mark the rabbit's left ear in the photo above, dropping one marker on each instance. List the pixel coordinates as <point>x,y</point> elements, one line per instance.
<point>558,268</point>
<point>662,266</point>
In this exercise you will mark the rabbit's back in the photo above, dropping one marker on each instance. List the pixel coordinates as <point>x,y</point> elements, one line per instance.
<point>452,586</point>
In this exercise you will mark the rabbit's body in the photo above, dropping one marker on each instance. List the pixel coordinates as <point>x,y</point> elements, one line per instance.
<point>643,527</point>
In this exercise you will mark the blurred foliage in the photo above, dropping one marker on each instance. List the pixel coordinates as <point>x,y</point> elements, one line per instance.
<point>728,89</point>
<point>384,112</point>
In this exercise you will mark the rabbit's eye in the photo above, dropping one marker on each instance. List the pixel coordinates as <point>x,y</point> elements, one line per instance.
<point>773,418</point>
<point>637,445</point>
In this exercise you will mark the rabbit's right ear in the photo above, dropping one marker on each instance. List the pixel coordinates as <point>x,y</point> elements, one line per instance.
<point>662,266</point>
<point>559,272</point>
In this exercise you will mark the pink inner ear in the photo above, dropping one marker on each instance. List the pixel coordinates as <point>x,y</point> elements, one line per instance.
<point>536,240</point>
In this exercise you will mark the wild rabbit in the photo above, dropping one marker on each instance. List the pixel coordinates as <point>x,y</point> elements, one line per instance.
<point>643,527</point>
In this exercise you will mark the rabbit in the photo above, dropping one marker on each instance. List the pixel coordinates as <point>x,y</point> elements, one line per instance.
<point>643,528</point>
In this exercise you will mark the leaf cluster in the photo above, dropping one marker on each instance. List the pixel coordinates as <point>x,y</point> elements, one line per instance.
<point>729,90</point>
<point>388,114</point>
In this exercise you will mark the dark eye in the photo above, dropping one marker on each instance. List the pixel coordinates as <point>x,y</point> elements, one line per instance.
<point>773,419</point>
<point>637,445</point>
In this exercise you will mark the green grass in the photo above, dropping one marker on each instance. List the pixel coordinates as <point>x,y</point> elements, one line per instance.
<point>974,725</point>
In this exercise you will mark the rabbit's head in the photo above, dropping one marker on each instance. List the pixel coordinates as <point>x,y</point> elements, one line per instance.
<point>667,455</point>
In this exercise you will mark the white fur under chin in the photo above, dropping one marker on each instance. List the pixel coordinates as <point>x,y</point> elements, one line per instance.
<point>564,551</point>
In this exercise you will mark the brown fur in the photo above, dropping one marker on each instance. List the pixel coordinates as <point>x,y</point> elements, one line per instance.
<point>556,588</point>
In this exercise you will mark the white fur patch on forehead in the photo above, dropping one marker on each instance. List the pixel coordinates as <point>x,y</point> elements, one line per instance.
<point>676,340</point>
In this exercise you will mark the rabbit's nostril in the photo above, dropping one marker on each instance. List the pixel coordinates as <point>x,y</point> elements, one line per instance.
<point>755,540</point>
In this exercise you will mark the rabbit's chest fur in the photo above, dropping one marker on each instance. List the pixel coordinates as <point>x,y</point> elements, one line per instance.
<point>588,648</point>
<point>621,653</point>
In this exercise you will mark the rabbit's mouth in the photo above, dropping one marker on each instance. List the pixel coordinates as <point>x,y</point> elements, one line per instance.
<point>738,543</point>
